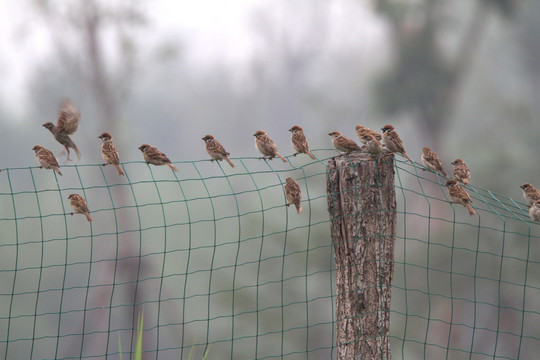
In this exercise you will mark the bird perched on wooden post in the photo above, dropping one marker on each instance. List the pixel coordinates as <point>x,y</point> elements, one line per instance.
<point>343,143</point>
<point>362,130</point>
<point>393,142</point>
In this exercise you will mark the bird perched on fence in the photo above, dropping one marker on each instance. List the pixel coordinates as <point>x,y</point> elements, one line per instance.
<point>393,142</point>
<point>299,142</point>
<point>216,150</point>
<point>293,194</point>
<point>343,143</point>
<point>362,130</point>
<point>266,146</point>
<point>459,195</point>
<point>152,155</point>
<point>534,211</point>
<point>530,193</point>
<point>373,146</point>
<point>109,152</point>
<point>67,124</point>
<point>46,159</point>
<point>79,206</point>
<point>461,171</point>
<point>431,160</point>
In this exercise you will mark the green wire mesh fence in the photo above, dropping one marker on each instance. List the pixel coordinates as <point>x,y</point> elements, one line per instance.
<point>219,262</point>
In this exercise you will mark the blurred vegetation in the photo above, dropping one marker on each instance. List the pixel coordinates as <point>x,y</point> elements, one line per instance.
<point>462,77</point>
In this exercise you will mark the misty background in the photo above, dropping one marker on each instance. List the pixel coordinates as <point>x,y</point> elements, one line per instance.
<point>462,77</point>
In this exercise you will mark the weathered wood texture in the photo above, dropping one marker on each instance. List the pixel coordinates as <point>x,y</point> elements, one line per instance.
<point>362,207</point>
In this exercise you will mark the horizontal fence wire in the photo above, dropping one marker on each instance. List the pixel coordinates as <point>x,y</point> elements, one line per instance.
<point>219,263</point>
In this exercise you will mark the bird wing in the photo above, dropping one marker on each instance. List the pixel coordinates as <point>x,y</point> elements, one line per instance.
<point>155,154</point>
<point>68,119</point>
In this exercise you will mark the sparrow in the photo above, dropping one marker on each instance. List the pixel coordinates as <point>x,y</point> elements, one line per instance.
<point>79,206</point>
<point>266,146</point>
<point>68,122</point>
<point>392,141</point>
<point>293,194</point>
<point>299,142</point>
<point>152,155</point>
<point>459,195</point>
<point>534,211</point>
<point>530,193</point>
<point>342,143</point>
<point>432,161</point>
<point>109,152</point>
<point>362,130</point>
<point>46,159</point>
<point>461,171</point>
<point>216,150</point>
<point>373,145</point>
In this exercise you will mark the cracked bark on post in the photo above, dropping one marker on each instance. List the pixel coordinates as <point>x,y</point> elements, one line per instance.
<point>362,207</point>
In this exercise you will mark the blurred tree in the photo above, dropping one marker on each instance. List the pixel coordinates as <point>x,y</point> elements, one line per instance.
<point>422,79</point>
<point>81,31</point>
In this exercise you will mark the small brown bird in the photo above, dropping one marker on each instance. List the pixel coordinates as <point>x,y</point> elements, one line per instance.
<point>266,146</point>
<point>461,171</point>
<point>393,142</point>
<point>431,160</point>
<point>299,142</point>
<point>68,122</point>
<point>79,206</point>
<point>152,155</point>
<point>530,193</point>
<point>293,194</point>
<point>534,211</point>
<point>459,195</point>
<point>342,143</point>
<point>362,130</point>
<point>216,150</point>
<point>109,152</point>
<point>373,146</point>
<point>46,159</point>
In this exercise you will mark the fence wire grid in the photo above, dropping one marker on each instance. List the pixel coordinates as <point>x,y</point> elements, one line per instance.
<point>219,263</point>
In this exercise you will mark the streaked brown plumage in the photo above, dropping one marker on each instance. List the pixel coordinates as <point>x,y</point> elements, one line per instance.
<point>362,130</point>
<point>459,195</point>
<point>534,211</point>
<point>79,206</point>
<point>154,156</point>
<point>431,160</point>
<point>530,193</point>
<point>342,143</point>
<point>46,159</point>
<point>266,146</point>
<point>109,152</point>
<point>293,194</point>
<point>373,146</point>
<point>461,171</point>
<point>393,142</point>
<point>216,150</point>
<point>299,142</point>
<point>68,122</point>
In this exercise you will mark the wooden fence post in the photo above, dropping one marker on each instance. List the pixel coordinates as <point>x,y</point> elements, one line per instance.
<point>362,207</point>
